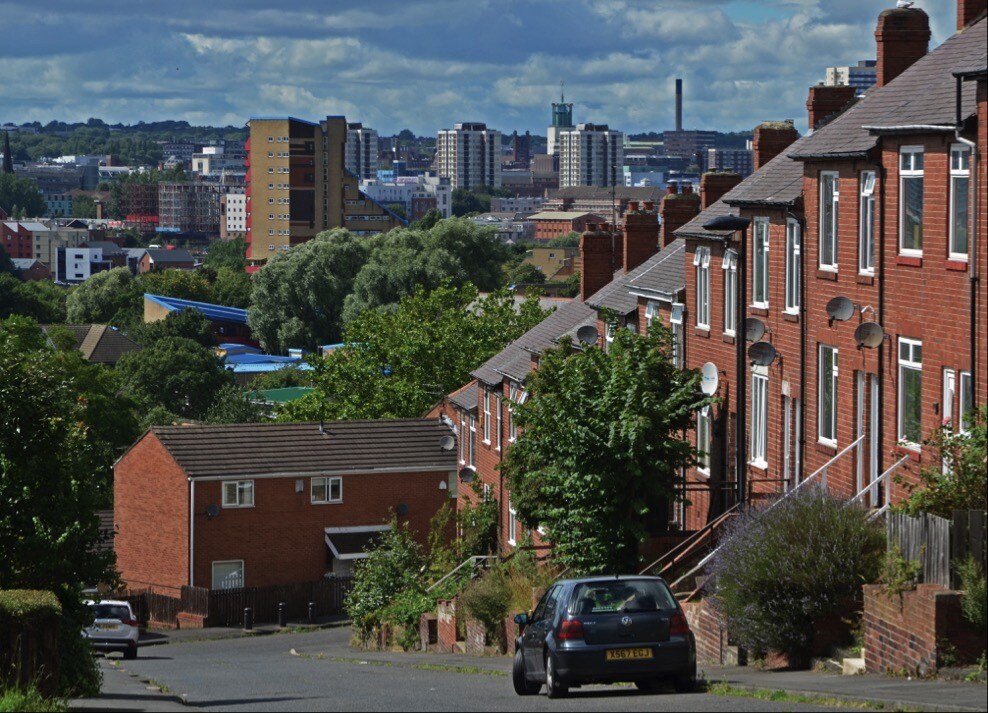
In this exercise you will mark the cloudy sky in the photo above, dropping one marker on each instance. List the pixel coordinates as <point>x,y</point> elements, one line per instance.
<point>426,64</point>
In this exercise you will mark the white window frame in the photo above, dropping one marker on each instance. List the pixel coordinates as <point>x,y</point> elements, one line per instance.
<point>910,174</point>
<point>866,224</point>
<point>472,460</point>
<point>243,491</point>
<point>213,581</point>
<point>827,436</point>
<point>703,440</point>
<point>499,405</point>
<point>730,266</point>
<point>794,246</point>
<point>829,233</point>
<point>678,340</point>
<point>463,438</point>
<point>965,401</point>
<point>651,312</point>
<point>760,264</point>
<point>759,418</point>
<point>912,361</point>
<point>487,416</point>
<point>960,168</point>
<point>513,391</point>
<point>512,524</point>
<point>327,485</point>
<point>701,260</point>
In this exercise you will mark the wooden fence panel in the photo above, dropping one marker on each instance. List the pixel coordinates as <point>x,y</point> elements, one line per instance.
<point>968,538</point>
<point>195,600</point>
<point>925,539</point>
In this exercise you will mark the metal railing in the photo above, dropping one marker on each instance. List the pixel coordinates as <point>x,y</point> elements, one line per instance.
<point>472,561</point>
<point>683,546</point>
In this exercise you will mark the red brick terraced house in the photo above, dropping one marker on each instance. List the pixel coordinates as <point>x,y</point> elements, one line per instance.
<point>827,222</point>
<point>272,503</point>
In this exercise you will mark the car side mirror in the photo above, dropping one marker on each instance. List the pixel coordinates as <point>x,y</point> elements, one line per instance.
<point>521,619</point>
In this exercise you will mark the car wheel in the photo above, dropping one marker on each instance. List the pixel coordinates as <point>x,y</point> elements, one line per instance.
<point>523,687</point>
<point>554,688</point>
<point>130,653</point>
<point>647,685</point>
<point>686,684</point>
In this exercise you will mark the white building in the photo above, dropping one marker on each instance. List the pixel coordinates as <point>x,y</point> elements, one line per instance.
<point>517,204</point>
<point>75,265</point>
<point>236,214</point>
<point>217,159</point>
<point>469,155</point>
<point>360,157</point>
<point>861,76</point>
<point>590,155</point>
<point>416,193</point>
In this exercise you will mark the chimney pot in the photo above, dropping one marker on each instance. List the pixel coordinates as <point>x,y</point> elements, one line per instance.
<point>649,206</point>
<point>687,188</point>
<point>672,188</point>
<point>902,37</point>
<point>824,102</point>
<point>632,205</point>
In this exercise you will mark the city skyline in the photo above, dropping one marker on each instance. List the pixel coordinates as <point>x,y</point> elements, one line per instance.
<point>432,64</point>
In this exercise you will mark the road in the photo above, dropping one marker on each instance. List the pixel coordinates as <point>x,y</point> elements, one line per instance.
<point>319,671</point>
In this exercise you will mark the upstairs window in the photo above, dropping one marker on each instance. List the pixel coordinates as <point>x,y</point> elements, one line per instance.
<point>730,266</point>
<point>759,286</point>
<point>326,490</point>
<point>829,201</point>
<point>701,260</point>
<point>487,416</point>
<point>238,493</point>
<point>759,418</point>
<point>960,184</point>
<point>911,201</point>
<point>793,249</point>
<point>866,227</point>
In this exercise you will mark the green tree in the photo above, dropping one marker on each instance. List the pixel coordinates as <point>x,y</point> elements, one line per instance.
<point>398,209</point>
<point>55,469</point>
<point>41,300</point>
<point>233,406</point>
<point>600,446</point>
<point>525,273</point>
<point>398,363</point>
<point>285,378</point>
<point>297,298</point>
<point>83,206</point>
<point>570,240</point>
<point>175,373</point>
<point>110,297</point>
<point>427,221</point>
<point>182,284</point>
<point>186,323</point>
<point>22,194</point>
<point>232,287</point>
<point>468,202</point>
<point>227,253</point>
<point>6,264</point>
<point>402,260</point>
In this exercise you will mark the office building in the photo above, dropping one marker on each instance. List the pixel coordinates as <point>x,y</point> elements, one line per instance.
<point>469,155</point>
<point>740,161</point>
<point>861,76</point>
<point>361,151</point>
<point>590,155</point>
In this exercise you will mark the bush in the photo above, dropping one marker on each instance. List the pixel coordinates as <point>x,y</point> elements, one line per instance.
<point>28,605</point>
<point>404,611</point>
<point>29,699</point>
<point>488,599</point>
<point>974,606</point>
<point>780,569</point>
<point>31,618</point>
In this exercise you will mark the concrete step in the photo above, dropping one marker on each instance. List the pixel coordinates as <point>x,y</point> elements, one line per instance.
<point>735,656</point>
<point>460,647</point>
<point>853,667</point>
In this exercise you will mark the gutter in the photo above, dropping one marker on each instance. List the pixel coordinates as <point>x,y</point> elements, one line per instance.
<point>803,328</point>
<point>907,129</point>
<point>192,530</point>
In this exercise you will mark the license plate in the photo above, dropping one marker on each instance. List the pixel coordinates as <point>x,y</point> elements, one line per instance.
<point>625,654</point>
<point>107,627</point>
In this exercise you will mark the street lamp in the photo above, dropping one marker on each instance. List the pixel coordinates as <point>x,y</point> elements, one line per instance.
<point>735,224</point>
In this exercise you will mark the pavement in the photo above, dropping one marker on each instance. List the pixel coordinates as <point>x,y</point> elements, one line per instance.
<point>316,669</point>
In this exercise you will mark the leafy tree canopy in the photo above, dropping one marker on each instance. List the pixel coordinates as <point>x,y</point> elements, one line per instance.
<point>232,406</point>
<point>20,193</point>
<point>183,284</point>
<point>110,297</point>
<point>232,287</point>
<point>570,240</point>
<point>525,273</point>
<point>397,363</point>
<point>227,253</point>
<point>186,323</point>
<point>427,221</point>
<point>6,264</point>
<point>41,300</point>
<point>600,446</point>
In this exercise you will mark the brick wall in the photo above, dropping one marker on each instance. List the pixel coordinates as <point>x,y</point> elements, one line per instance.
<point>917,631</point>
<point>770,139</point>
<point>446,626</point>
<point>902,36</point>
<point>824,102</point>
<point>709,629</point>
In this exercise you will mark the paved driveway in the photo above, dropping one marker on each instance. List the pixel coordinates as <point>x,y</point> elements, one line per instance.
<point>318,671</point>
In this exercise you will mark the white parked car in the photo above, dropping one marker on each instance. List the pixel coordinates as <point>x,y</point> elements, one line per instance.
<point>114,627</point>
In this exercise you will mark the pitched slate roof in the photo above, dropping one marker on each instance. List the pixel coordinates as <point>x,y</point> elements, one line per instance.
<point>662,274</point>
<point>99,343</point>
<point>271,448</point>
<point>922,96</point>
<point>778,183</point>
<point>513,361</point>
<point>169,256</point>
<point>465,398</point>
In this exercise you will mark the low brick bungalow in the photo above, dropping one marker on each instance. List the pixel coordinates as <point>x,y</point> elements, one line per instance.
<point>272,503</point>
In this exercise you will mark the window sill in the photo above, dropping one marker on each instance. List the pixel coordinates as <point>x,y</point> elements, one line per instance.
<point>826,275</point>
<point>790,316</point>
<point>758,310</point>
<point>758,464</point>
<point>865,279</point>
<point>237,507</point>
<point>702,332</point>
<point>909,260</point>
<point>826,449</point>
<point>913,452</point>
<point>326,502</point>
<point>956,265</point>
<point>705,474</point>
<point>728,338</point>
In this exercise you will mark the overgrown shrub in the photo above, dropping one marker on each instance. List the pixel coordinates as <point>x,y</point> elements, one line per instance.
<point>29,699</point>
<point>487,599</point>
<point>389,569</point>
<point>899,574</point>
<point>405,610</point>
<point>779,569</point>
<point>974,606</point>
<point>32,618</point>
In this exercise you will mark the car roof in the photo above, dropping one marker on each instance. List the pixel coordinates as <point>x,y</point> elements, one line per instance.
<point>615,578</point>
<point>116,602</point>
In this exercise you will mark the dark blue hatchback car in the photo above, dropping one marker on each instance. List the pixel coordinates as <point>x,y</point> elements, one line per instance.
<point>604,630</point>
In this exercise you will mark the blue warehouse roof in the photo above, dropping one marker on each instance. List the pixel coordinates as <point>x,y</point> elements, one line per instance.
<point>216,313</point>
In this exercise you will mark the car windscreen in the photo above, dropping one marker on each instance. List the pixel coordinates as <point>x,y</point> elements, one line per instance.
<point>621,596</point>
<point>111,611</point>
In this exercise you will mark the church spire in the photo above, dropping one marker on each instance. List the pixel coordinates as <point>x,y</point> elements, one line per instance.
<point>8,160</point>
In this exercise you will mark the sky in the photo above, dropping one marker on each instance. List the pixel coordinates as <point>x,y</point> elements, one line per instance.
<point>427,64</point>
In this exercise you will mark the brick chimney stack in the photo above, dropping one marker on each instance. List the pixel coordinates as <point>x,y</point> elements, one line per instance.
<point>969,10</point>
<point>596,260</point>
<point>677,210</point>
<point>714,184</point>
<point>824,102</point>
<point>771,139</point>
<point>641,234</point>
<point>903,36</point>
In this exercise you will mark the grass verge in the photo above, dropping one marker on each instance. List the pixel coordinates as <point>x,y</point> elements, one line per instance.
<point>17,699</point>
<point>766,694</point>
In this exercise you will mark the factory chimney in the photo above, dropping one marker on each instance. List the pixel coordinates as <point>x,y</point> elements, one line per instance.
<point>679,105</point>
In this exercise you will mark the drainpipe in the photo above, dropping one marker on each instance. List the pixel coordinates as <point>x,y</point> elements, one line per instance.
<point>801,436</point>
<point>972,266</point>
<point>881,174</point>
<point>192,531</point>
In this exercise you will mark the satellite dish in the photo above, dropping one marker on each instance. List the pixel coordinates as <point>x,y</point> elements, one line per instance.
<point>447,443</point>
<point>588,334</point>
<point>869,334</point>
<point>212,511</point>
<point>709,378</point>
<point>761,354</point>
<point>401,510</point>
<point>840,308</point>
<point>754,329</point>
<point>466,475</point>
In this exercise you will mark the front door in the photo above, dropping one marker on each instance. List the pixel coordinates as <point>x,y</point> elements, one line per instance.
<point>866,424</point>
